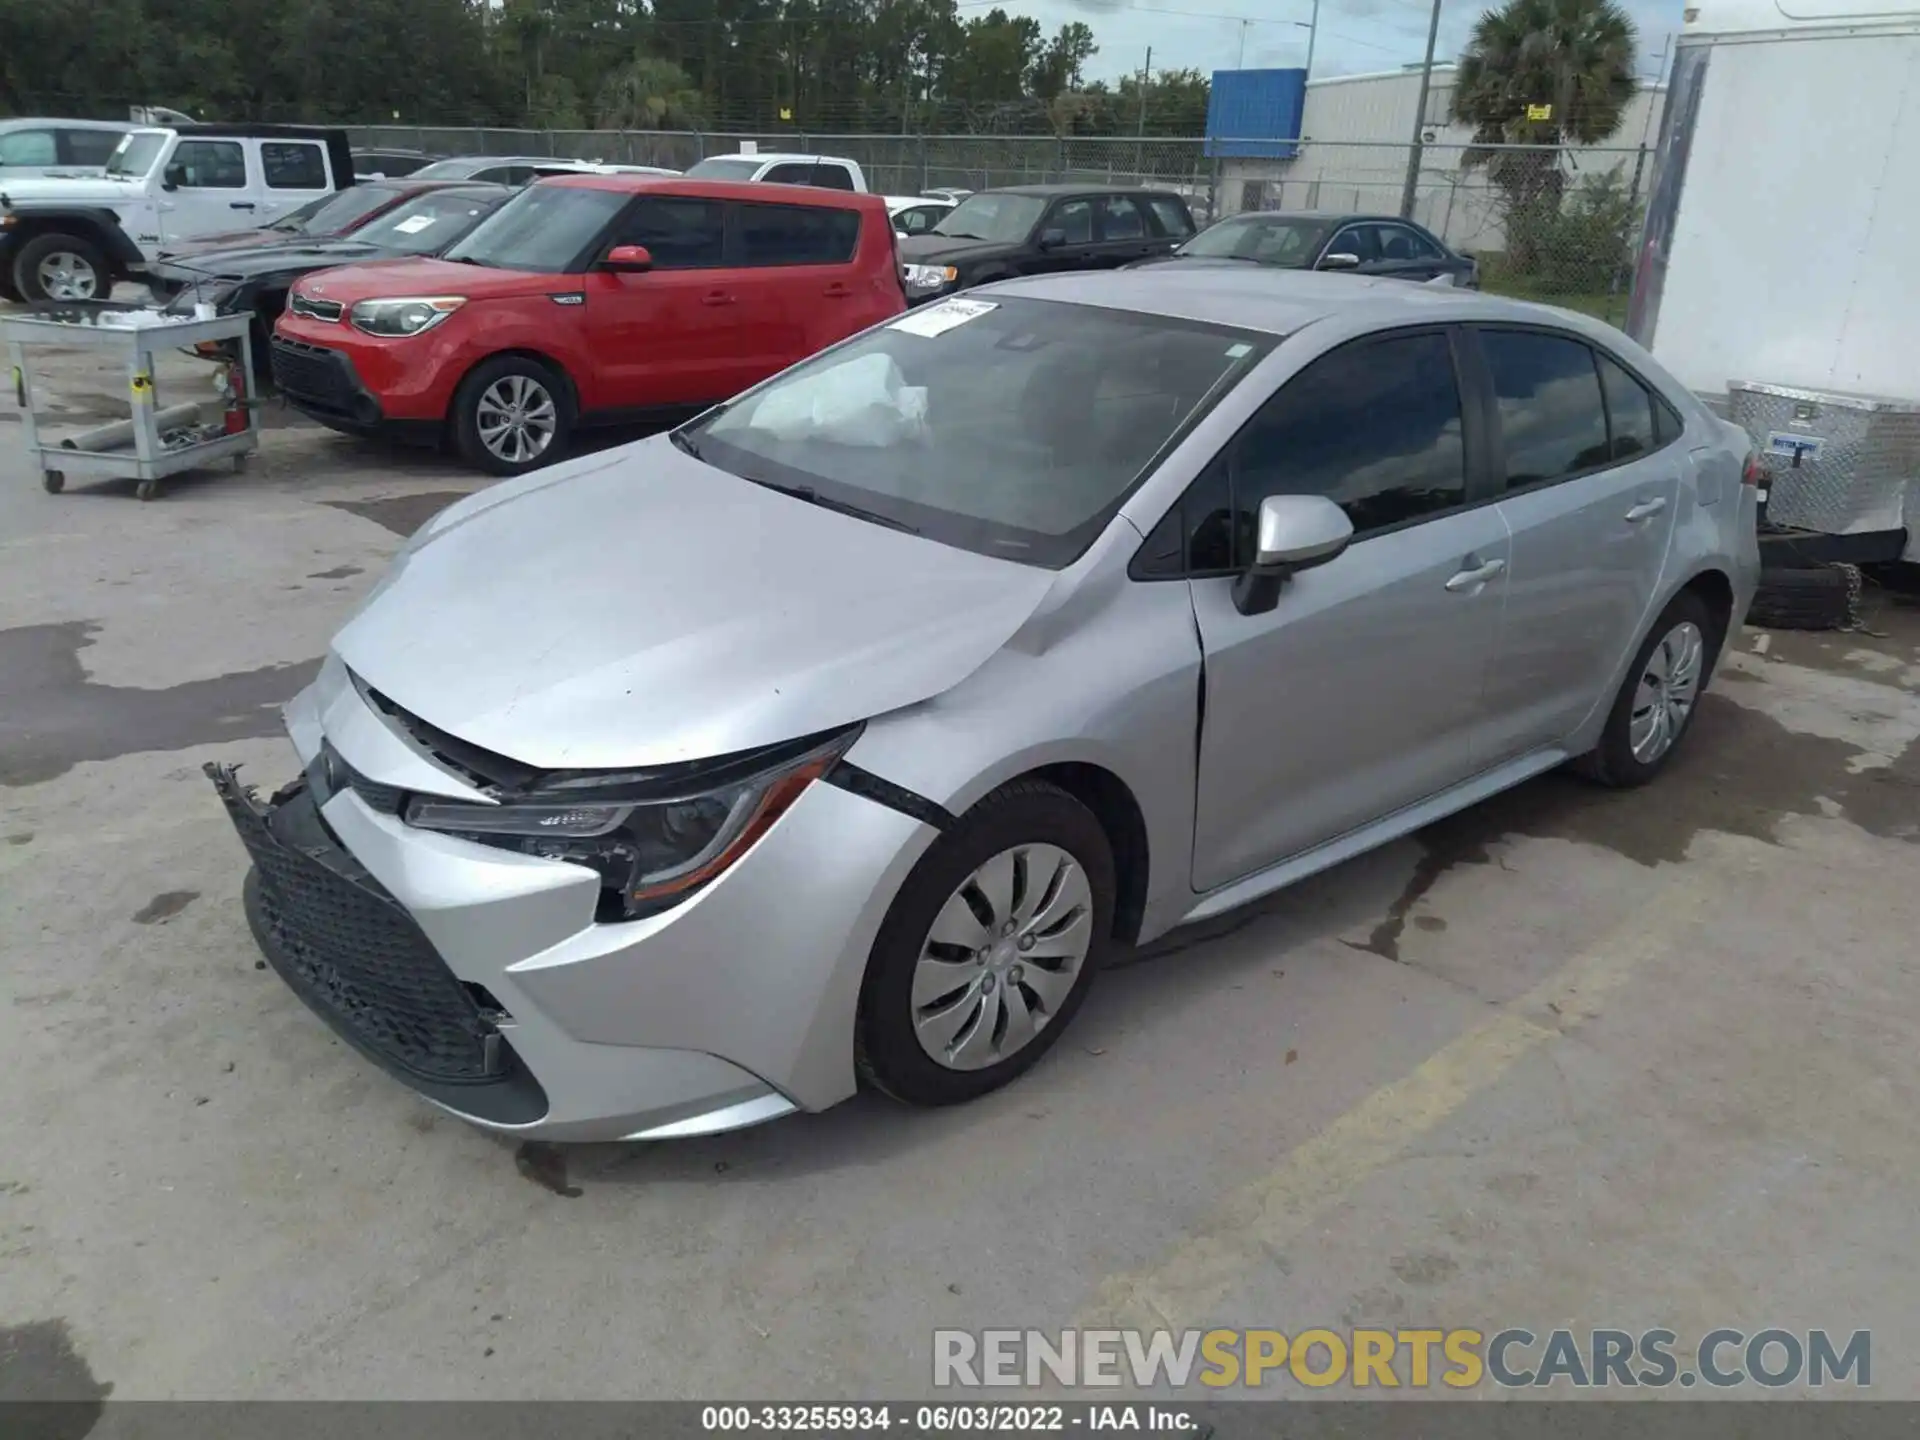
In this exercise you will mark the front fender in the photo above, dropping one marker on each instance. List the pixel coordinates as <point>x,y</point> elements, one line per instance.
<point>97,223</point>
<point>1113,681</point>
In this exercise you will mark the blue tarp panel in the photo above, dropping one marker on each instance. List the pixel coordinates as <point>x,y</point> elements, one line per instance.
<point>1256,113</point>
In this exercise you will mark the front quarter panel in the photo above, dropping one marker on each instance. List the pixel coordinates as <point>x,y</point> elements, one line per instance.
<point>1107,673</point>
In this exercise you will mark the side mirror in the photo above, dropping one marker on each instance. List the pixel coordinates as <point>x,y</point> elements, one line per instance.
<point>1052,238</point>
<point>628,259</point>
<point>1340,260</point>
<point>1294,533</point>
<point>173,177</point>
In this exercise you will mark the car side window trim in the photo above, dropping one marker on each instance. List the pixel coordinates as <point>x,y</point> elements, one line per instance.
<point>1479,471</point>
<point>1496,440</point>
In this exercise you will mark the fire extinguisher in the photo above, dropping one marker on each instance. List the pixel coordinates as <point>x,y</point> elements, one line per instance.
<point>236,392</point>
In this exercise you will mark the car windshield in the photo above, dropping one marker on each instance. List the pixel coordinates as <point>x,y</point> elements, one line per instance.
<point>428,223</point>
<point>1014,428</point>
<point>452,169</point>
<point>725,167</point>
<point>544,228</point>
<point>337,213</point>
<point>1271,239</point>
<point>1007,218</point>
<point>134,156</point>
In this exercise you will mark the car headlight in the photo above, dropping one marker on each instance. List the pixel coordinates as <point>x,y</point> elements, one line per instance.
<point>650,853</point>
<point>928,277</point>
<point>409,316</point>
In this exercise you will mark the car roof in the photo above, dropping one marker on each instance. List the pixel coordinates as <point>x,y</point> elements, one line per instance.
<point>37,122</point>
<point>756,191</point>
<point>782,155</point>
<point>1275,301</point>
<point>1325,217</point>
<point>1096,187</point>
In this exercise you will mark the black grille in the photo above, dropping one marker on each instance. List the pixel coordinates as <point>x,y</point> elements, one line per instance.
<point>349,950</point>
<point>321,377</point>
<point>315,309</point>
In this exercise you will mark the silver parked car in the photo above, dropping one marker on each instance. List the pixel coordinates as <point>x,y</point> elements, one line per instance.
<point>842,733</point>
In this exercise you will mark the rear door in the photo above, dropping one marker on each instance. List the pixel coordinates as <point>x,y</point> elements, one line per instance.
<point>794,274</point>
<point>292,173</point>
<point>1405,254</point>
<point>1363,690</point>
<point>1590,492</point>
<point>215,186</point>
<point>673,335</point>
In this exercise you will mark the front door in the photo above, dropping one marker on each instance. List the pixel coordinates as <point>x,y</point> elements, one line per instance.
<point>1591,497</point>
<point>671,336</point>
<point>213,190</point>
<point>1068,236</point>
<point>1362,691</point>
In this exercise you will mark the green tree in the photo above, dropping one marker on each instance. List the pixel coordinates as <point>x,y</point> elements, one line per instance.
<point>1570,62</point>
<point>648,93</point>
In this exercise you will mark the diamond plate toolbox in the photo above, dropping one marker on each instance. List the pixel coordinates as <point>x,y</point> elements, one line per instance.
<point>1838,463</point>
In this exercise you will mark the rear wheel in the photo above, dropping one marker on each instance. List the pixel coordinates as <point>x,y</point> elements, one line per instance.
<point>511,415</point>
<point>989,947</point>
<point>61,267</point>
<point>1657,700</point>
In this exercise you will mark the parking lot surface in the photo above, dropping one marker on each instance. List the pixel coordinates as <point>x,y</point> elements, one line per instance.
<point>1570,1058</point>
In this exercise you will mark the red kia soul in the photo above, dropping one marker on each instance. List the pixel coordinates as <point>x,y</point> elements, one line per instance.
<point>587,299</point>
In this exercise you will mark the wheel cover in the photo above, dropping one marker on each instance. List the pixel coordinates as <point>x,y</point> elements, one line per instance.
<point>1668,686</point>
<point>516,418</point>
<point>1002,956</point>
<point>64,275</point>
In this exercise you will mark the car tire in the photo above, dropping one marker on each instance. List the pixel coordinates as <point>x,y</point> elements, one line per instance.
<point>504,386</point>
<point>7,292</point>
<point>1628,755</point>
<point>83,261</point>
<point>1005,853</point>
<point>1812,597</point>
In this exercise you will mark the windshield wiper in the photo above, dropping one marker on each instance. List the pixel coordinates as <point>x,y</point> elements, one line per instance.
<point>958,234</point>
<point>469,260</point>
<point>827,502</point>
<point>684,442</point>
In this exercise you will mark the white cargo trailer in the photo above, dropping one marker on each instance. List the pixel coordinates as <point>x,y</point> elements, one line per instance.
<point>1779,271</point>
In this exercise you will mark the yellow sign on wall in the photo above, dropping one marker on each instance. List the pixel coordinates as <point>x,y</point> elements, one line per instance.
<point>1539,112</point>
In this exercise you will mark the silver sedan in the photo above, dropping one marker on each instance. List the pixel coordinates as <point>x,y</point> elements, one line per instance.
<point>841,735</point>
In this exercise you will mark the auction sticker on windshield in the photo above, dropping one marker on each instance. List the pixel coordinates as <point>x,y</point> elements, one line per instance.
<point>938,319</point>
<point>414,224</point>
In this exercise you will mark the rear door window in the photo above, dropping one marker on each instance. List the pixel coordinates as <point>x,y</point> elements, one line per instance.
<point>1629,412</point>
<point>1552,421</point>
<point>790,174</point>
<point>1120,219</point>
<point>293,165</point>
<point>794,235</point>
<point>833,177</point>
<point>211,164</point>
<point>680,233</point>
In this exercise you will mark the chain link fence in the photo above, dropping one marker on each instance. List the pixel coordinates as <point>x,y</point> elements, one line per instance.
<point>1557,225</point>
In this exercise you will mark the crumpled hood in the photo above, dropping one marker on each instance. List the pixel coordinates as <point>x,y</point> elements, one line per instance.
<point>638,607</point>
<point>289,254</point>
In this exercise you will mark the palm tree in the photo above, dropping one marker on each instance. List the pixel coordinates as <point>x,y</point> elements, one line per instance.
<point>648,93</point>
<point>1573,56</point>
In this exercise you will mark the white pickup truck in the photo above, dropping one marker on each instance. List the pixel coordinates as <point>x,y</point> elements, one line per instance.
<point>73,238</point>
<point>829,171</point>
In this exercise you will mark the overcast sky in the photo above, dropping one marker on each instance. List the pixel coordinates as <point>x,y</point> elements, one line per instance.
<point>1356,36</point>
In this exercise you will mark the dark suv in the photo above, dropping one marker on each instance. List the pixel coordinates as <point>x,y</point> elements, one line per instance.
<point>1037,229</point>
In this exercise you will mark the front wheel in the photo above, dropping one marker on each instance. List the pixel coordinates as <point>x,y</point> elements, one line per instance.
<point>989,947</point>
<point>511,415</point>
<point>1655,706</point>
<point>61,267</point>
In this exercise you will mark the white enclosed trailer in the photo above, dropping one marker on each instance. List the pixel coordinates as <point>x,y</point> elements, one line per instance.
<point>1779,271</point>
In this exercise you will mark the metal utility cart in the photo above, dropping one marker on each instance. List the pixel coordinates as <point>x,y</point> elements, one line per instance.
<point>152,443</point>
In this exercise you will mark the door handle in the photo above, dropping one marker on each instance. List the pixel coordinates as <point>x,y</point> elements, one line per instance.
<point>1646,510</point>
<point>837,292</point>
<point>240,204</point>
<point>1474,578</point>
<point>716,297</point>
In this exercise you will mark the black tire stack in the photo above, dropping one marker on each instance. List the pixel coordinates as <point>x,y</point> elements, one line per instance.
<point>1798,592</point>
